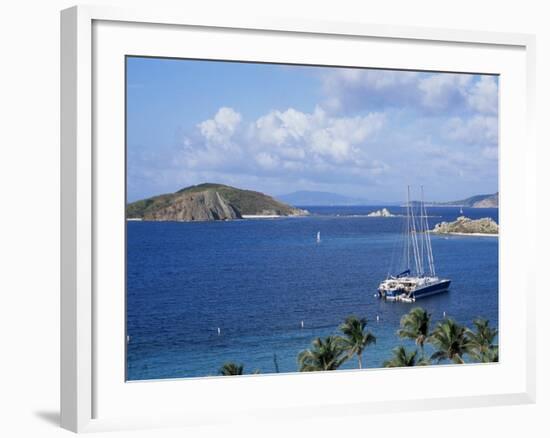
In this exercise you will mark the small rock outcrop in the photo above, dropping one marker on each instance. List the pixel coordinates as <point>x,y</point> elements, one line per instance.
<point>465,225</point>
<point>381,213</point>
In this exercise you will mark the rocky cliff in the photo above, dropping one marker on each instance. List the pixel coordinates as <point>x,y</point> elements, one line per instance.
<point>464,225</point>
<point>208,202</point>
<point>200,206</point>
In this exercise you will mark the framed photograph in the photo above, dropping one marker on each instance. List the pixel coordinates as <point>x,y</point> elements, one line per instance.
<point>287,218</point>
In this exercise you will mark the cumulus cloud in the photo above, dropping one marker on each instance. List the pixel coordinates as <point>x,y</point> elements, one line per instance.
<point>442,90</point>
<point>298,135</point>
<point>477,130</point>
<point>219,129</point>
<point>350,89</point>
<point>287,142</point>
<point>369,127</point>
<point>483,96</point>
<point>353,89</point>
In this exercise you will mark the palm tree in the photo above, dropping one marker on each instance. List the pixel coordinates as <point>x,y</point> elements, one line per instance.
<point>415,325</point>
<point>403,358</point>
<point>231,369</point>
<point>449,341</point>
<point>356,339</point>
<point>480,345</point>
<point>324,355</point>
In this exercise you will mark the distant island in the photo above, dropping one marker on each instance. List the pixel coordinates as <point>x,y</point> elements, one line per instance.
<point>477,201</point>
<point>308,198</point>
<point>381,213</point>
<point>209,202</point>
<point>466,226</point>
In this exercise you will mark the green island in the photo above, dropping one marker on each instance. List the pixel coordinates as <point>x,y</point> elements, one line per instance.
<point>209,202</point>
<point>477,201</point>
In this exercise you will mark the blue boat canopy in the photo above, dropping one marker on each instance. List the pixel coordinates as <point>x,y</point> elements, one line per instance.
<point>402,274</point>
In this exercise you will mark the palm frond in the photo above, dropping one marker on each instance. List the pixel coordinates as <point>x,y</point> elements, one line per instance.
<point>356,339</point>
<point>449,341</point>
<point>324,355</point>
<point>231,369</point>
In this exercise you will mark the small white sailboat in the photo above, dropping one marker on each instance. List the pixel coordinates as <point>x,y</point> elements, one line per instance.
<point>318,237</point>
<point>461,211</point>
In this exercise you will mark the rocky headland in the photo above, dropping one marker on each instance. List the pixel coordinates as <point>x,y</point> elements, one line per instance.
<point>464,226</point>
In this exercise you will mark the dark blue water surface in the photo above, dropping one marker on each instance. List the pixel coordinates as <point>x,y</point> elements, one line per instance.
<point>257,279</point>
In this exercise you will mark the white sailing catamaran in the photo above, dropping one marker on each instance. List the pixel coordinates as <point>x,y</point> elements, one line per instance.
<point>419,279</point>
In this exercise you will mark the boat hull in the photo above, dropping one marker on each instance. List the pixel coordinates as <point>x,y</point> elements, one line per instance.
<point>420,292</point>
<point>432,289</point>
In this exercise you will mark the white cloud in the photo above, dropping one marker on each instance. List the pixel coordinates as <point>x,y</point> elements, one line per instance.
<point>483,96</point>
<point>372,79</point>
<point>221,128</point>
<point>440,90</point>
<point>293,135</point>
<point>352,89</point>
<point>278,127</point>
<point>267,160</point>
<point>477,130</point>
<point>288,142</point>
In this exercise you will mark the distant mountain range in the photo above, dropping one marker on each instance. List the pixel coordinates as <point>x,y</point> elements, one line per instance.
<point>306,198</point>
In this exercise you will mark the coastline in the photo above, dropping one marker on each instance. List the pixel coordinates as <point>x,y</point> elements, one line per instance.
<point>466,234</point>
<point>244,216</point>
<point>261,216</point>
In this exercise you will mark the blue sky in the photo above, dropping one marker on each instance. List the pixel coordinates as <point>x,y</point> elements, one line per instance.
<point>276,128</point>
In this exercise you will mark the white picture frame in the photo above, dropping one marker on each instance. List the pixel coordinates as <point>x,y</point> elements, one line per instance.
<point>93,397</point>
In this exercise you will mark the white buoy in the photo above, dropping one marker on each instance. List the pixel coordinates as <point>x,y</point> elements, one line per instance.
<point>219,331</point>
<point>377,318</point>
<point>302,324</point>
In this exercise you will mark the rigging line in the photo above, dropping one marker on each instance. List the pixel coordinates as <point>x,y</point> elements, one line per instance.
<point>425,231</point>
<point>419,269</point>
<point>398,265</point>
<point>403,265</point>
<point>393,256</point>
<point>408,235</point>
<point>428,237</point>
<point>422,240</point>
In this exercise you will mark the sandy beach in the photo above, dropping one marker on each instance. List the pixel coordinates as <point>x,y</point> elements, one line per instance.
<point>260,216</point>
<point>466,234</point>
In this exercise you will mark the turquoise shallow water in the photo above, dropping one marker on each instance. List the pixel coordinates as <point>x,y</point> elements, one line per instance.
<point>258,279</point>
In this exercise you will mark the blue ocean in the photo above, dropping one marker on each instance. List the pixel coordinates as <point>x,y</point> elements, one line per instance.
<point>257,280</point>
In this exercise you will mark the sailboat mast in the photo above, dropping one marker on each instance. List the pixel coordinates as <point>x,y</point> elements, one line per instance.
<point>408,232</point>
<point>419,269</point>
<point>427,237</point>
